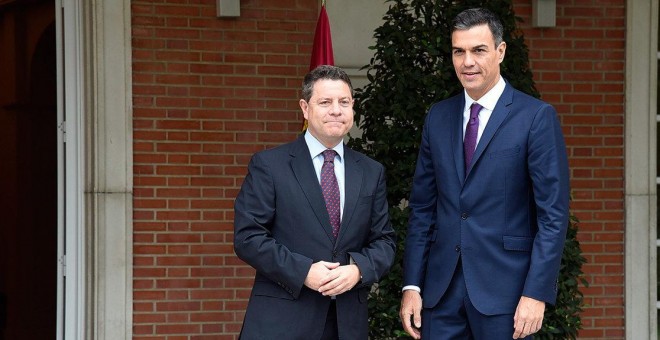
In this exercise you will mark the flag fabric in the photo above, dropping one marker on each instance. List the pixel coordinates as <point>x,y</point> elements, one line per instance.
<point>322,49</point>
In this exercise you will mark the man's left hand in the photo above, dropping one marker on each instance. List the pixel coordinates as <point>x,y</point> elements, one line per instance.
<point>528,318</point>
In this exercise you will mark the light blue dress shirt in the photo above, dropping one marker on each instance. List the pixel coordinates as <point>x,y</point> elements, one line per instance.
<point>316,153</point>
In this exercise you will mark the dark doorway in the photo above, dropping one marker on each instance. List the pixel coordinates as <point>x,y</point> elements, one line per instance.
<point>28,170</point>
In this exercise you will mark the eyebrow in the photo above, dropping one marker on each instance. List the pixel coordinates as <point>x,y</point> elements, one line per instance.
<point>331,98</point>
<point>472,48</point>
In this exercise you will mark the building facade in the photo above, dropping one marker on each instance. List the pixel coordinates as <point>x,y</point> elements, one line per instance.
<point>161,103</point>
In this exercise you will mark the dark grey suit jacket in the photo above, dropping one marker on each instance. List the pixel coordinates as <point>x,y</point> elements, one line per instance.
<point>281,227</point>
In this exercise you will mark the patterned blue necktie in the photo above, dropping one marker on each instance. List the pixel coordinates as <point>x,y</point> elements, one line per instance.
<point>470,141</point>
<point>330,189</point>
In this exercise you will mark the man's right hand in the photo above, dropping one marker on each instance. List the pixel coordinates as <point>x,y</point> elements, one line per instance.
<point>317,273</point>
<point>411,305</point>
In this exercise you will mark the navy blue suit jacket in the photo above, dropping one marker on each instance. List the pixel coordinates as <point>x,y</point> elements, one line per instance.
<point>506,217</point>
<point>281,227</point>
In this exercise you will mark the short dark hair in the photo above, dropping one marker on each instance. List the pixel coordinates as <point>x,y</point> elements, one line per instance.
<point>479,16</point>
<point>323,72</point>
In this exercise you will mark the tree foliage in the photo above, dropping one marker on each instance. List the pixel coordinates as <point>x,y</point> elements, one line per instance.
<point>410,70</point>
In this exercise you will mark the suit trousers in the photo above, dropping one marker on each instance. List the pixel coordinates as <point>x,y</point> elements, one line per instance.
<point>330,332</point>
<point>456,318</point>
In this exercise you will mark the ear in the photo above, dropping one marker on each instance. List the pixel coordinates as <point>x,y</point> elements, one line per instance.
<point>501,50</point>
<point>304,107</point>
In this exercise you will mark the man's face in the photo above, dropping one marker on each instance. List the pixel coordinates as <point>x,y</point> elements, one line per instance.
<point>329,111</point>
<point>477,59</point>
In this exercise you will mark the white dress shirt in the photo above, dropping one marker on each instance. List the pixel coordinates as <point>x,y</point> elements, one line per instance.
<point>488,102</point>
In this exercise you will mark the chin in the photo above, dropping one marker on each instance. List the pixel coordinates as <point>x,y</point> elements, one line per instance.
<point>337,133</point>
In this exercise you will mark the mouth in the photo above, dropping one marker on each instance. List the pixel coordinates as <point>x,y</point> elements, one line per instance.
<point>471,76</point>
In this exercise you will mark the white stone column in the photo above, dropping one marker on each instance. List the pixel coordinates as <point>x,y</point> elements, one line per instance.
<point>640,169</point>
<point>109,169</point>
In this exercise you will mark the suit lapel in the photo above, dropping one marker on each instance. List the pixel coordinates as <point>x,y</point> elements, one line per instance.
<point>496,118</point>
<point>352,186</point>
<point>457,139</point>
<point>303,170</point>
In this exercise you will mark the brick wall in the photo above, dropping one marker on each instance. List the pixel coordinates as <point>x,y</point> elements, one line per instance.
<point>208,93</point>
<point>579,68</point>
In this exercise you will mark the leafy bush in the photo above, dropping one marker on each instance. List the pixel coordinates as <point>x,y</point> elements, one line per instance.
<point>410,70</point>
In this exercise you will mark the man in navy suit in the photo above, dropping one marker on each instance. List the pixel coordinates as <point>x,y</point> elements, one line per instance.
<point>315,257</point>
<point>487,223</point>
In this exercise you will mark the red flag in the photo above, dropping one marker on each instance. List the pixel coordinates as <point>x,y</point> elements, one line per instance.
<point>322,49</point>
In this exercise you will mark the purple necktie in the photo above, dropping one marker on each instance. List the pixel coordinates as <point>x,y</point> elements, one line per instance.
<point>470,140</point>
<point>330,189</point>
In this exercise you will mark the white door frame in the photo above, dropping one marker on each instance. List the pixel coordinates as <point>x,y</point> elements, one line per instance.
<point>71,234</point>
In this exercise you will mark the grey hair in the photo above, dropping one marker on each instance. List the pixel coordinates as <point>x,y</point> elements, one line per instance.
<point>479,16</point>
<point>323,72</point>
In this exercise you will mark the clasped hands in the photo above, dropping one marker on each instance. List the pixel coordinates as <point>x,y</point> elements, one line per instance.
<point>330,279</point>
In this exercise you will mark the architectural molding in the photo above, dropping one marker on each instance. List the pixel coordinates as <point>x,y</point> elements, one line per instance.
<point>108,158</point>
<point>640,169</point>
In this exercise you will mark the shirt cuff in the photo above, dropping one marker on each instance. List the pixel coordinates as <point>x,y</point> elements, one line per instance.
<point>411,287</point>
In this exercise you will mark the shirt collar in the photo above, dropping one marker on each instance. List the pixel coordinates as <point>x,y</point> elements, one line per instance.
<point>316,148</point>
<point>489,100</point>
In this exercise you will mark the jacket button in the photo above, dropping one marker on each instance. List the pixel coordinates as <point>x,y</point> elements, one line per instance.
<point>458,249</point>
<point>464,216</point>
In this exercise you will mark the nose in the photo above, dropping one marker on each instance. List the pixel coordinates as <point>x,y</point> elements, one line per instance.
<point>335,108</point>
<point>468,60</point>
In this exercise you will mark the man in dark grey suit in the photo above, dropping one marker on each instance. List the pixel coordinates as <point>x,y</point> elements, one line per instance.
<point>312,219</point>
